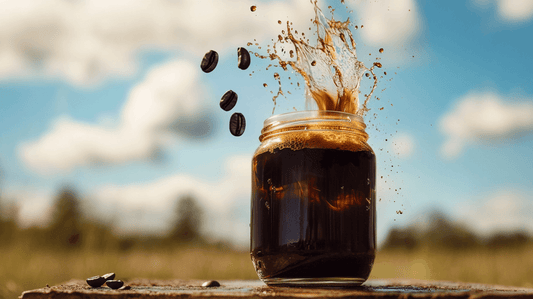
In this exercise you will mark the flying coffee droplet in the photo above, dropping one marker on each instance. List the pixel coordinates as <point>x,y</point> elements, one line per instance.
<point>380,50</point>
<point>237,124</point>
<point>367,74</point>
<point>378,64</point>
<point>228,100</point>
<point>385,73</point>
<point>279,21</point>
<point>244,58</point>
<point>253,8</point>
<point>209,62</point>
<point>313,63</point>
<point>265,85</point>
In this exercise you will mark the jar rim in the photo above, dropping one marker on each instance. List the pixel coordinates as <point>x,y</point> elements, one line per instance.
<point>340,128</point>
<point>312,115</point>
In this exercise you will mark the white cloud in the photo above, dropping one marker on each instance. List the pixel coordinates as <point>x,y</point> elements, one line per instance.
<point>33,207</point>
<point>511,10</point>
<point>388,22</point>
<point>403,145</point>
<point>225,201</point>
<point>483,117</point>
<point>504,210</point>
<point>84,42</point>
<point>515,10</point>
<point>154,113</point>
<point>395,26</point>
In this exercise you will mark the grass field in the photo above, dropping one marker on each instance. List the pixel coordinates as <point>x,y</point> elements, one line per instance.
<point>25,268</point>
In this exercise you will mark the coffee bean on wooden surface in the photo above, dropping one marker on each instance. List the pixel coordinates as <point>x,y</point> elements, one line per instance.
<point>244,58</point>
<point>228,100</point>
<point>95,281</point>
<point>211,284</point>
<point>125,288</point>
<point>109,276</point>
<point>237,124</point>
<point>114,284</point>
<point>209,62</point>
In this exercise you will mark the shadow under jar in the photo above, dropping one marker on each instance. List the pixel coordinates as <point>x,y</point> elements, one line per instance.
<point>313,210</point>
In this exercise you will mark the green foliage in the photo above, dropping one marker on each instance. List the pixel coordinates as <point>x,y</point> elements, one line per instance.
<point>444,234</point>
<point>8,224</point>
<point>65,228</point>
<point>508,240</point>
<point>402,238</point>
<point>189,219</point>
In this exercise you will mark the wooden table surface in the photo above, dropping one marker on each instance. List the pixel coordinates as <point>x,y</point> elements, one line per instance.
<point>389,288</point>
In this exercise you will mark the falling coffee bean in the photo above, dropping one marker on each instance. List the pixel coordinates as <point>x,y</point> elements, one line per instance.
<point>125,288</point>
<point>109,276</point>
<point>209,62</point>
<point>211,284</point>
<point>244,58</point>
<point>96,281</point>
<point>114,284</point>
<point>237,124</point>
<point>228,100</point>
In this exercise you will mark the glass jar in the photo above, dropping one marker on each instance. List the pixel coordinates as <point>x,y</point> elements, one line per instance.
<point>313,218</point>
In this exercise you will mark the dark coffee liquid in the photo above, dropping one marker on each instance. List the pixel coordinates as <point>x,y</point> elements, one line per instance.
<point>313,213</point>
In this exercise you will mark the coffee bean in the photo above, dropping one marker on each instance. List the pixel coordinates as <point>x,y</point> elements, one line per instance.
<point>209,62</point>
<point>244,58</point>
<point>228,100</point>
<point>237,124</point>
<point>114,284</point>
<point>211,284</point>
<point>109,276</point>
<point>125,288</point>
<point>95,281</point>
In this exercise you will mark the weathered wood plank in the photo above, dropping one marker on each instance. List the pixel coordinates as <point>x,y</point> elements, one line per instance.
<point>390,288</point>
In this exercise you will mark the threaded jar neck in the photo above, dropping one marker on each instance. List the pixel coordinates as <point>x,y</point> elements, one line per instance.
<point>315,120</point>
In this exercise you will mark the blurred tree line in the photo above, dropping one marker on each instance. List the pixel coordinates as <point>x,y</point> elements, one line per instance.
<point>70,228</point>
<point>444,234</point>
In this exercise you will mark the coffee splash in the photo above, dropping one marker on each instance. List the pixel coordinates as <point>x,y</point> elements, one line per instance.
<point>329,66</point>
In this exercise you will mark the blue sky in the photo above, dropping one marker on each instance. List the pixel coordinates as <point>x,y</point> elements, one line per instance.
<point>109,98</point>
